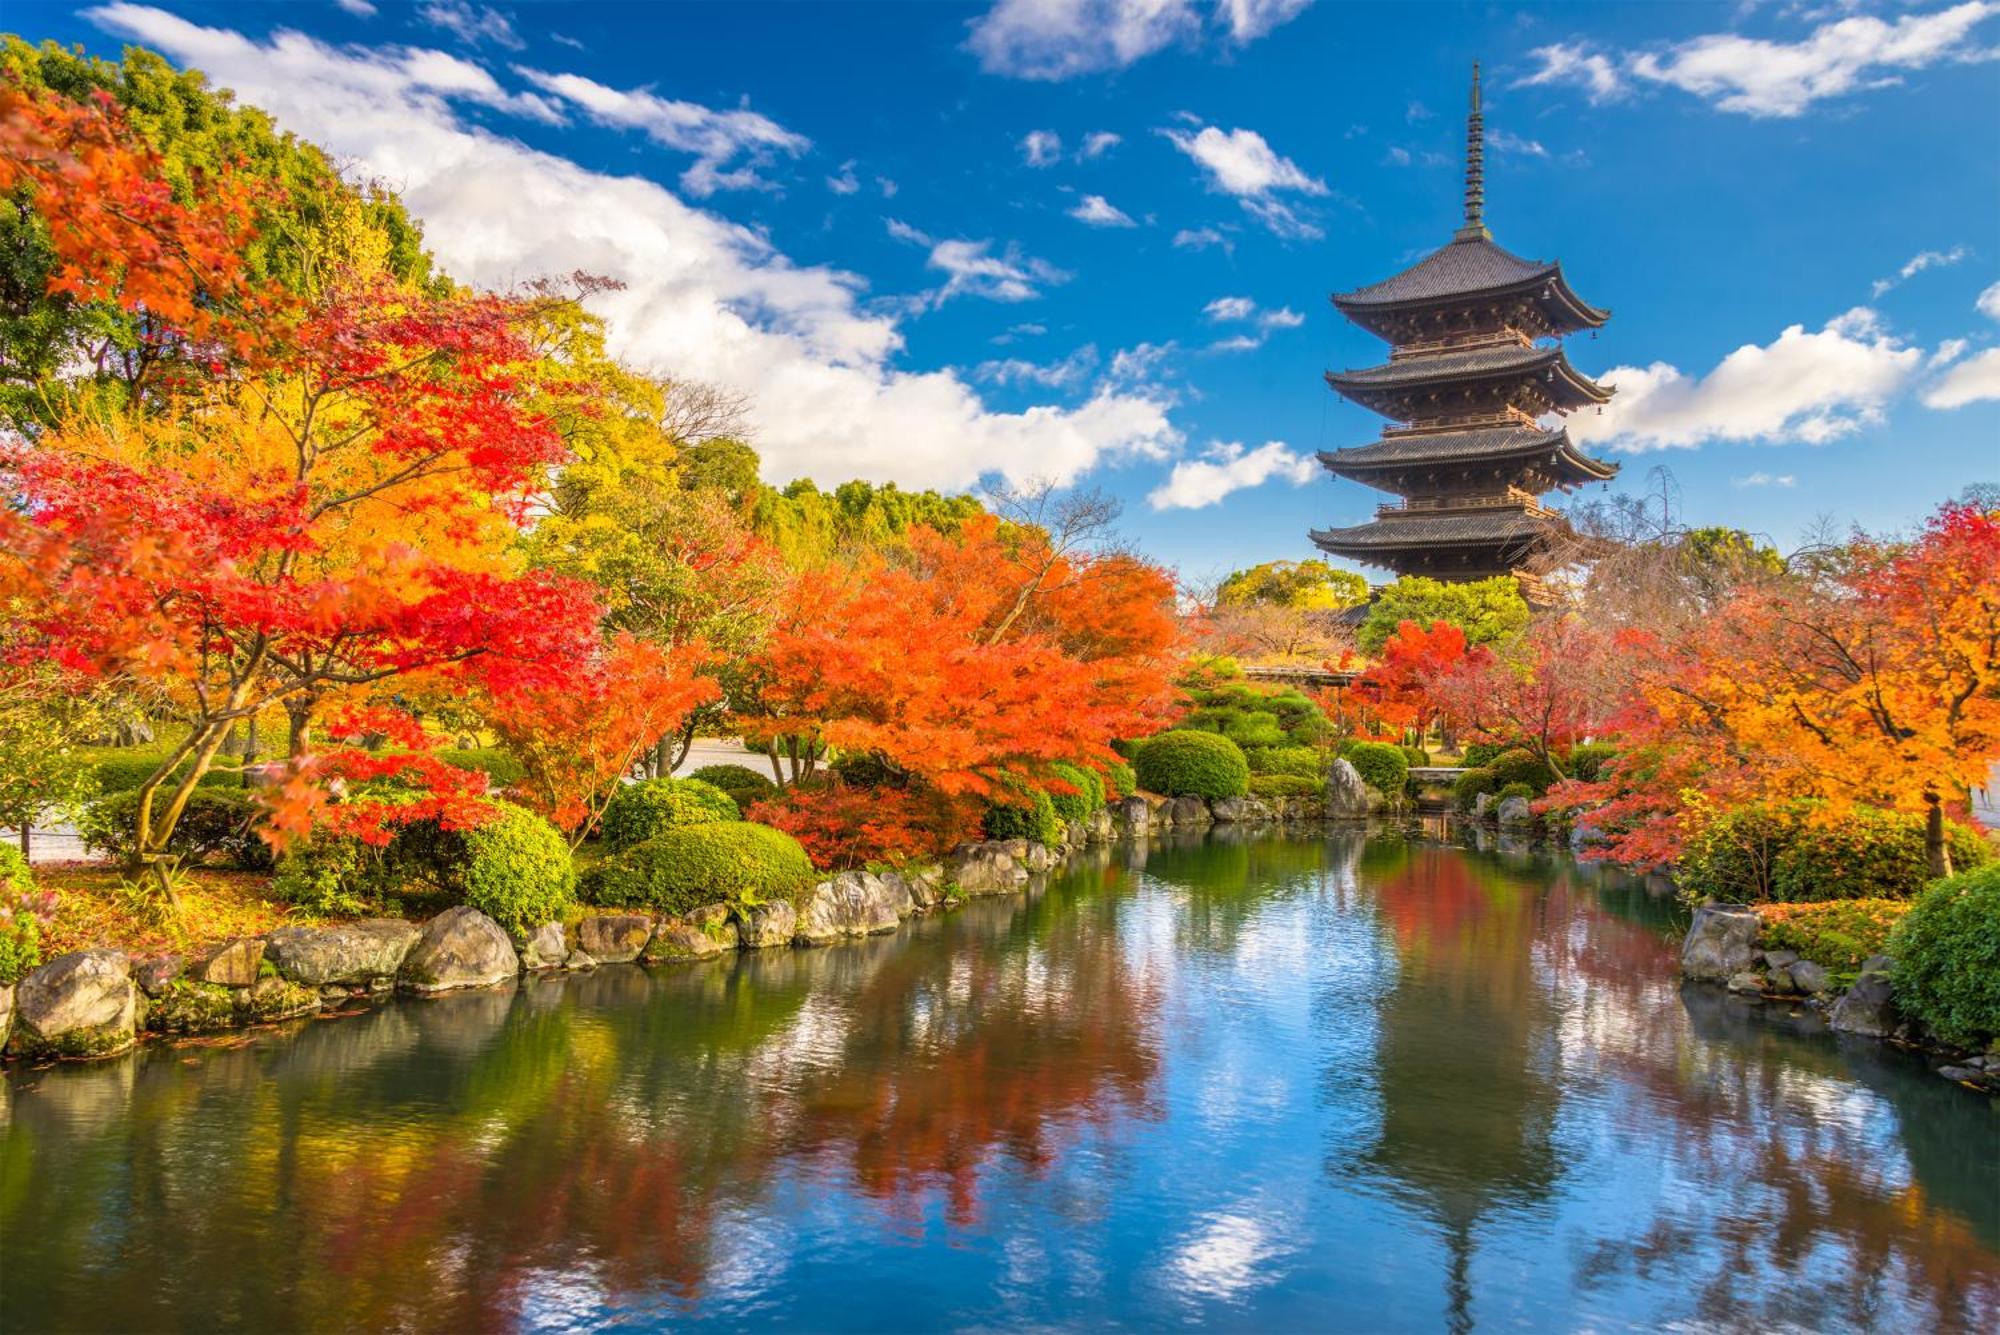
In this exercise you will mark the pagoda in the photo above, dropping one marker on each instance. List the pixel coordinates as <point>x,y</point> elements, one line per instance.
<point>1475,363</point>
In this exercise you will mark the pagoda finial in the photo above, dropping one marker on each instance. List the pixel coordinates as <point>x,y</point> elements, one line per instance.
<point>1475,168</point>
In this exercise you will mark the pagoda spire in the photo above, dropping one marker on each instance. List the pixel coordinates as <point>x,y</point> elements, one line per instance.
<point>1475,169</point>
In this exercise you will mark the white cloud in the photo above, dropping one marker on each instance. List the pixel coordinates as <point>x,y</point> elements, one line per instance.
<point>1417,113</point>
<point>1100,212</point>
<point>886,186</point>
<point>1201,238</point>
<point>972,269</point>
<point>1948,352</point>
<point>1069,371</point>
<point>361,9</point>
<point>1225,468</point>
<point>1041,148</point>
<point>574,44</point>
<point>1098,143</point>
<point>1237,343</point>
<point>1766,480</point>
<point>1974,381</point>
<point>1226,309</point>
<point>1811,387</point>
<point>1397,157</point>
<point>1756,76</point>
<point>1013,333</point>
<point>716,138</point>
<point>1229,308</point>
<point>902,231</point>
<point>844,182</point>
<point>471,25</point>
<point>704,298</point>
<point>1988,302</point>
<point>1917,263</point>
<point>1061,39</point>
<point>1282,318</point>
<point>1506,141</point>
<point>1240,163</point>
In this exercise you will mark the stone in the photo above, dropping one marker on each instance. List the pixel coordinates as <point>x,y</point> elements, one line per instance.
<point>1516,812</point>
<point>6,1013</point>
<point>1869,1007</point>
<point>231,964</point>
<point>192,1007</point>
<point>1747,981</point>
<point>1186,812</point>
<point>1102,828</point>
<point>1811,978</point>
<point>677,940</point>
<point>1780,981</point>
<point>984,869</point>
<point>1135,814</point>
<point>579,960</point>
<point>900,892</point>
<point>156,973</point>
<point>1781,959</point>
<point>615,938</point>
<point>361,954</point>
<point>1039,857</point>
<point>461,947</point>
<point>854,903</point>
<point>1966,1073</point>
<point>1482,806</point>
<point>545,948</point>
<point>270,999</point>
<point>1721,941</point>
<point>1240,811</point>
<point>78,1005</point>
<point>926,886</point>
<point>1346,794</point>
<point>768,925</point>
<point>1878,964</point>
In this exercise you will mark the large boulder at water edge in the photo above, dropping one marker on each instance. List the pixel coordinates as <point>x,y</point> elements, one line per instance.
<point>615,938</point>
<point>545,948</point>
<point>6,1013</point>
<point>1869,1007</point>
<point>1347,797</point>
<point>854,903</point>
<point>985,869</point>
<point>461,947</point>
<point>354,954</point>
<point>769,925</point>
<point>80,1005</point>
<point>231,964</point>
<point>1136,813</point>
<point>1516,813</point>
<point>922,887</point>
<point>1721,943</point>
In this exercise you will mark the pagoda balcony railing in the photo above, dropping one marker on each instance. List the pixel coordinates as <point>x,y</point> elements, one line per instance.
<point>1430,426</point>
<point>1486,338</point>
<point>1511,498</point>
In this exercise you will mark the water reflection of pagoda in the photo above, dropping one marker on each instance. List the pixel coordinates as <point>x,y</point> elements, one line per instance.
<point>1473,365</point>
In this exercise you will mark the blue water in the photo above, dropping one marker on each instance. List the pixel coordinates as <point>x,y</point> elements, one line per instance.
<point>1301,1084</point>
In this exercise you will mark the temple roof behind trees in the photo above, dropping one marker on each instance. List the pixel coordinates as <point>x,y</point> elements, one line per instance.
<point>1478,445</point>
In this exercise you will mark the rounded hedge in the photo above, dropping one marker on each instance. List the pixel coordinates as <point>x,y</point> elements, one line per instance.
<point>1286,785</point>
<point>1787,852</point>
<point>1416,755</point>
<point>1478,755</point>
<point>1947,953</point>
<point>745,786</point>
<point>1088,797</point>
<point>20,929</point>
<point>1299,761</point>
<point>1381,766</point>
<point>1260,728</point>
<point>1469,786</point>
<point>1513,790</point>
<point>684,868</point>
<point>644,810</point>
<point>1521,765</point>
<point>1032,818</point>
<point>517,870</point>
<point>1119,780</point>
<point>1185,763</point>
<point>1587,762</point>
<point>500,767</point>
<point>215,821</point>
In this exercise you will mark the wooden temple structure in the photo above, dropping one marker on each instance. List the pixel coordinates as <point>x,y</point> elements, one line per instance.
<point>1476,362</point>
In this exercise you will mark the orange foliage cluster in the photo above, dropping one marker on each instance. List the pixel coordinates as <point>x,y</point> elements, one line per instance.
<point>842,828</point>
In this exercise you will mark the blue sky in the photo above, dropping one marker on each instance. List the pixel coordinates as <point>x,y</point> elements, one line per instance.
<point>1094,241</point>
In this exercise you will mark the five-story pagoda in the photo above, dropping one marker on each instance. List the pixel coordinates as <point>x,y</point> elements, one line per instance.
<point>1475,362</point>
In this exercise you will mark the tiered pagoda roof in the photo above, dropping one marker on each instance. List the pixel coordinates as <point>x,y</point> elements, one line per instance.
<point>1473,368</point>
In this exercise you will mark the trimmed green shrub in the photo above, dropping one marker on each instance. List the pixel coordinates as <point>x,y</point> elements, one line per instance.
<point>1184,763</point>
<point>125,770</point>
<point>1513,790</point>
<point>1256,729</point>
<point>1381,766</point>
<point>1300,761</point>
<point>1769,852</point>
<point>499,767</point>
<point>1286,785</point>
<point>1840,934</point>
<point>216,821</point>
<point>1128,746</point>
<point>644,810</point>
<point>1311,732</point>
<point>1587,762</point>
<point>1120,781</point>
<point>325,874</point>
<point>1521,765</point>
<point>691,865</point>
<point>1947,952</point>
<point>1478,755</point>
<point>1416,755</point>
<point>517,870</point>
<point>745,786</point>
<point>1032,818</point>
<point>1088,797</point>
<point>20,926</point>
<point>1468,786</point>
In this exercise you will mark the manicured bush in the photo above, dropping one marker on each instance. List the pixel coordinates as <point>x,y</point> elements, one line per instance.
<point>1467,788</point>
<point>1947,952</point>
<point>1128,747</point>
<point>1478,755</point>
<point>217,822</point>
<point>1119,780</point>
<point>1521,765</point>
<point>1286,785</point>
<point>20,917</point>
<point>641,811</point>
<point>326,874</point>
<point>1792,852</point>
<point>1184,763</point>
<point>1416,755</point>
<point>500,767</point>
<point>1032,817</point>
<point>1381,766</point>
<point>1587,762</point>
<point>122,771</point>
<point>1511,790</point>
<point>1839,934</point>
<point>517,870</point>
<point>1085,801</point>
<point>692,865</point>
<point>1311,732</point>
<point>1256,729</point>
<point>1300,761</point>
<point>745,786</point>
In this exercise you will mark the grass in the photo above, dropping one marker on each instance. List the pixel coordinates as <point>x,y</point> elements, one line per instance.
<point>92,910</point>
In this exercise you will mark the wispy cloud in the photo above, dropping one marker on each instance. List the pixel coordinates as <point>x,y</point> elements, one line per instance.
<point>1917,263</point>
<point>1225,468</point>
<point>469,24</point>
<point>1063,39</point>
<point>1041,148</point>
<point>1098,143</point>
<point>1201,238</point>
<point>1100,212</point>
<point>1067,373</point>
<point>1765,480</point>
<point>1241,163</point>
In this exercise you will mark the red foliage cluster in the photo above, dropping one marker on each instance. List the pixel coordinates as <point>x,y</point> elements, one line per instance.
<point>842,828</point>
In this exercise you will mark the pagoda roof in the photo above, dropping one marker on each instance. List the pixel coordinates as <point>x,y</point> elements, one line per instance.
<point>1435,528</point>
<point>1479,444</point>
<point>1374,386</point>
<point>1469,268</point>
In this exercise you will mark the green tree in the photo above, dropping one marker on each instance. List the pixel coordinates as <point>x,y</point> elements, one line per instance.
<point>1306,586</point>
<point>1489,611</point>
<point>46,718</point>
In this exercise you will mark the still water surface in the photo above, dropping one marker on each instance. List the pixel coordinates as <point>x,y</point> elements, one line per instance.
<point>1312,1084</point>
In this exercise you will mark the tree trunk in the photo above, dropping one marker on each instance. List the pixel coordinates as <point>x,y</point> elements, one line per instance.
<point>1937,852</point>
<point>24,841</point>
<point>656,764</point>
<point>250,743</point>
<point>299,713</point>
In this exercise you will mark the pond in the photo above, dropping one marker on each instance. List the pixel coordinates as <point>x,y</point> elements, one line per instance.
<point>1278,1084</point>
